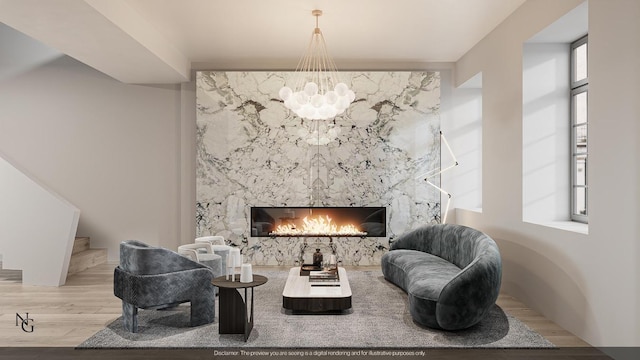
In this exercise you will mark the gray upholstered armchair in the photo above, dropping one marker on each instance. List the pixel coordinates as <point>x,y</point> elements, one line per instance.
<point>151,278</point>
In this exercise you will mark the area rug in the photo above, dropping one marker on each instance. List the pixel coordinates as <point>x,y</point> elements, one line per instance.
<point>379,319</point>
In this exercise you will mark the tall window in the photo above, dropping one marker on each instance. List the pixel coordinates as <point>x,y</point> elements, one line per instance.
<point>579,139</point>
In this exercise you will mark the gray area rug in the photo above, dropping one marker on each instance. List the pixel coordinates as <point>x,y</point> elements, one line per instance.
<point>379,319</point>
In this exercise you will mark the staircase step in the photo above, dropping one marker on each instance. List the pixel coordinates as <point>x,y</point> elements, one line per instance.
<point>81,244</point>
<point>86,259</point>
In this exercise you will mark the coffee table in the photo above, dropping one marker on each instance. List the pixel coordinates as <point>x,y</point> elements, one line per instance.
<point>300,295</point>
<point>234,317</point>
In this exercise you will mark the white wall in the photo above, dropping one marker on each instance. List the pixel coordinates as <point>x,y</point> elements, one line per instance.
<point>24,54</point>
<point>546,134</point>
<point>462,127</point>
<point>587,284</point>
<point>111,149</point>
<point>187,162</point>
<point>37,228</point>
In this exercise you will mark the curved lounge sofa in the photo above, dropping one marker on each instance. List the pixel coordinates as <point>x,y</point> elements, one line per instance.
<point>451,274</point>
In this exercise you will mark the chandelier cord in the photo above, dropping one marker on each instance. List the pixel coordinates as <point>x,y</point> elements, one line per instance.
<point>318,167</point>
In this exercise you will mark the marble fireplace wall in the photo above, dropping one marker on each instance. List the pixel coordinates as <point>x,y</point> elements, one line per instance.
<point>249,153</point>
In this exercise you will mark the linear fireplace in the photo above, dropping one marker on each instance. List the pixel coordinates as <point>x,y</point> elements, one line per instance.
<point>318,221</point>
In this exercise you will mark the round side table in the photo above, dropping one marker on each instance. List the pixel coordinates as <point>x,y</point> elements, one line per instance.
<point>234,316</point>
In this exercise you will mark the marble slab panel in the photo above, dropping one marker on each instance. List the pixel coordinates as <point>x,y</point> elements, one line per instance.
<point>249,153</point>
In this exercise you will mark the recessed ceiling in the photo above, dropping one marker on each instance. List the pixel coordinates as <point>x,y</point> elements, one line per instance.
<point>152,41</point>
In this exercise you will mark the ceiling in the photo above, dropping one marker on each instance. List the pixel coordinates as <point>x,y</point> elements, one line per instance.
<point>161,41</point>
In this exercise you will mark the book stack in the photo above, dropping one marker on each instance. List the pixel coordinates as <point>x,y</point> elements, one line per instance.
<point>324,276</point>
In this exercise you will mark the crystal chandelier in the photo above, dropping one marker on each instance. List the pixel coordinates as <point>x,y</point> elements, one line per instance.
<point>317,93</point>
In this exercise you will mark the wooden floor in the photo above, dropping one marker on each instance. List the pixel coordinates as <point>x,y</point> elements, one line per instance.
<point>66,316</point>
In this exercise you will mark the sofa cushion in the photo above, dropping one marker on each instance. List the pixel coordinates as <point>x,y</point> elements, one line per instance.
<point>422,276</point>
<point>456,244</point>
<point>429,276</point>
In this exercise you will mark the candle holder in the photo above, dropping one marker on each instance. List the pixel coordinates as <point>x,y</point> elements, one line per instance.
<point>233,261</point>
<point>246,274</point>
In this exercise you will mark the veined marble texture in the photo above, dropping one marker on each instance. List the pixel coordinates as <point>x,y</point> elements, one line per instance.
<point>249,154</point>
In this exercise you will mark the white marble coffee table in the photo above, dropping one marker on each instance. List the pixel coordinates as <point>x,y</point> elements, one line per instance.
<point>303,296</point>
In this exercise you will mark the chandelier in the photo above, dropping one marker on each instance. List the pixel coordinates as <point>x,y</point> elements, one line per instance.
<point>317,94</point>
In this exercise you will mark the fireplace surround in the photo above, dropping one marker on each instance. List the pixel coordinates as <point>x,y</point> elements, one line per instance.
<point>249,153</point>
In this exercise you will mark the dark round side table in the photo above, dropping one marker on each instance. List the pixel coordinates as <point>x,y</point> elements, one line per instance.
<point>232,309</point>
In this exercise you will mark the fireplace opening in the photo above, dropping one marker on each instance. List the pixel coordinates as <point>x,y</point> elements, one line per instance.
<point>318,221</point>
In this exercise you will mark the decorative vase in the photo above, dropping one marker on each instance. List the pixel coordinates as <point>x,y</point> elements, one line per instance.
<point>246,274</point>
<point>357,257</point>
<point>317,258</point>
<point>333,263</point>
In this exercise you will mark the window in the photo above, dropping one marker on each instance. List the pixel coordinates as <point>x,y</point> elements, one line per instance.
<point>579,123</point>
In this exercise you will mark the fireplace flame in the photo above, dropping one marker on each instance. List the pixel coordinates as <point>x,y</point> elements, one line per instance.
<point>318,226</point>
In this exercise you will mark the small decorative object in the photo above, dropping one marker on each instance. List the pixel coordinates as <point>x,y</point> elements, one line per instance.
<point>234,260</point>
<point>357,257</point>
<point>317,258</point>
<point>246,274</point>
<point>306,268</point>
<point>333,263</point>
<point>279,257</point>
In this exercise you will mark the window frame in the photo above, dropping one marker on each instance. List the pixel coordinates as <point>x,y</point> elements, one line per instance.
<point>578,87</point>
